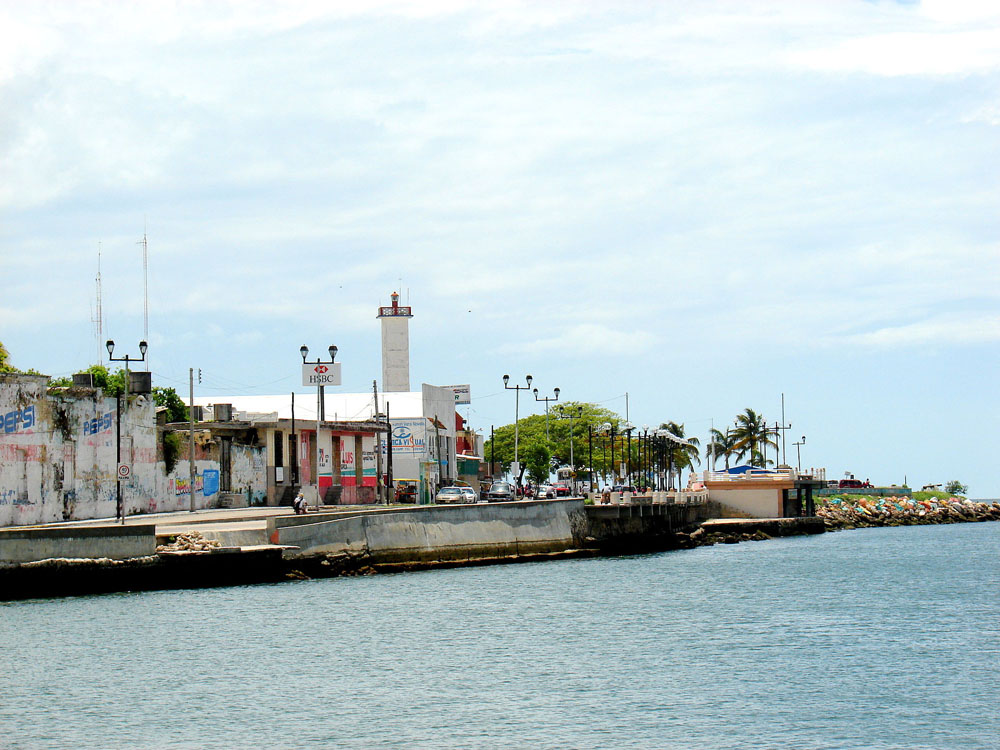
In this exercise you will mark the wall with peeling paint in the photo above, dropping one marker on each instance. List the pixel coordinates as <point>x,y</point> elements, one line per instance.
<point>58,458</point>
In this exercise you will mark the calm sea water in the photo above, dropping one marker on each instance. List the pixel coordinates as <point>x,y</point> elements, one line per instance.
<point>875,638</point>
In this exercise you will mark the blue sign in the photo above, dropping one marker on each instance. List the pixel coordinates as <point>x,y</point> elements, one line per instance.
<point>210,482</point>
<point>19,419</point>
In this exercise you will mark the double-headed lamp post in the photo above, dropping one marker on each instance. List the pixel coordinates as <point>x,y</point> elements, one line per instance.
<point>304,351</point>
<point>143,346</point>
<point>546,400</point>
<point>798,453</point>
<point>573,413</point>
<point>517,396</point>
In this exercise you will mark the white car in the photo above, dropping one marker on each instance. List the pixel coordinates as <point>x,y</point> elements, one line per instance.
<point>545,491</point>
<point>450,495</point>
<point>470,494</point>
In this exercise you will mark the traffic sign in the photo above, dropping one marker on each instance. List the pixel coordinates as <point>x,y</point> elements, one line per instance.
<point>124,471</point>
<point>317,373</point>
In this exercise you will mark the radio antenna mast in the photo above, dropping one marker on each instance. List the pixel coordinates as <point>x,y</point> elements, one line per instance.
<point>145,284</point>
<point>98,319</point>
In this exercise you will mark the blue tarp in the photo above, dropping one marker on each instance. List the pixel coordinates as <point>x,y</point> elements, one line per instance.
<point>748,470</point>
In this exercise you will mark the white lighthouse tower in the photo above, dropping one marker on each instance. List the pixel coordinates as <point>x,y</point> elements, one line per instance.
<point>395,346</point>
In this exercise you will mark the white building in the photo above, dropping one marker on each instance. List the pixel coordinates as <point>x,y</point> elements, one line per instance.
<point>423,436</point>
<point>395,346</point>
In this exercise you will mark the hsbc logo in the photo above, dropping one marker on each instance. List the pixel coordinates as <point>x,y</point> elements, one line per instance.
<point>316,374</point>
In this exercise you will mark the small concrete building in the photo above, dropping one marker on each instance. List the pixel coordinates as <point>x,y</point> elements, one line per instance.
<point>764,493</point>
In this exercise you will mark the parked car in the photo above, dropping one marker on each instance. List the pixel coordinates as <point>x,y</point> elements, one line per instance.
<point>545,491</point>
<point>450,495</point>
<point>469,494</point>
<point>500,491</point>
<point>562,490</point>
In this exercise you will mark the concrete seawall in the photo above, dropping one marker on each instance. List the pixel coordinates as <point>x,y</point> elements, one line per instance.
<point>441,533</point>
<point>111,542</point>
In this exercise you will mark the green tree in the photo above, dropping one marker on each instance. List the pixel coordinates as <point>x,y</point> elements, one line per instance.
<point>532,429</point>
<point>112,383</point>
<point>954,487</point>
<point>722,445</point>
<point>5,365</point>
<point>752,437</point>
<point>681,456</point>
<point>538,461</point>
<point>176,410</point>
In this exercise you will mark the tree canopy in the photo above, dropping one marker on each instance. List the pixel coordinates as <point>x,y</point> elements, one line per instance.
<point>586,418</point>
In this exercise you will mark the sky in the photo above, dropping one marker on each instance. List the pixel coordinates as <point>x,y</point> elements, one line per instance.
<point>708,206</point>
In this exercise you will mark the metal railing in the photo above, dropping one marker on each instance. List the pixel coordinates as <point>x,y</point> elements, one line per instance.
<point>762,475</point>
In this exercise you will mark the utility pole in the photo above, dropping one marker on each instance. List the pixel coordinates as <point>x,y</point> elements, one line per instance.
<point>378,451</point>
<point>191,435</point>
<point>388,455</point>
<point>784,426</point>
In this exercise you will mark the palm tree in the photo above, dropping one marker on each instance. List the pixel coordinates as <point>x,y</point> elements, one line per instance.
<point>722,446</point>
<point>679,455</point>
<point>752,437</point>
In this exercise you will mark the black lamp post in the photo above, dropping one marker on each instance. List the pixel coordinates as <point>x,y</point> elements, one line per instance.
<point>320,409</point>
<point>546,400</point>
<point>143,347</point>
<point>517,397</point>
<point>628,456</point>
<point>574,413</point>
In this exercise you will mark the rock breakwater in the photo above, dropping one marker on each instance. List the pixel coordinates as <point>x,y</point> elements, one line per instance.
<point>867,511</point>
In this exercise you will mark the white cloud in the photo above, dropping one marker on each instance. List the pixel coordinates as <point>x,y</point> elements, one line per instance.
<point>945,329</point>
<point>585,341</point>
<point>934,53</point>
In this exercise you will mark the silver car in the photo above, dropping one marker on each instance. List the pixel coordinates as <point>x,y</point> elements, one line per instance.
<point>450,495</point>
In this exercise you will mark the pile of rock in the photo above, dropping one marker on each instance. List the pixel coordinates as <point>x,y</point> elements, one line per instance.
<point>903,511</point>
<point>190,541</point>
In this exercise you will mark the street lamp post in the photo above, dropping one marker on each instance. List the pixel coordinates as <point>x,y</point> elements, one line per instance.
<point>304,351</point>
<point>628,456</point>
<point>143,346</point>
<point>798,453</point>
<point>517,397</point>
<point>644,456</point>
<point>570,416</point>
<point>546,400</point>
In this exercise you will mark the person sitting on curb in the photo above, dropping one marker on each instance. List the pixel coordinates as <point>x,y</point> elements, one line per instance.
<point>299,504</point>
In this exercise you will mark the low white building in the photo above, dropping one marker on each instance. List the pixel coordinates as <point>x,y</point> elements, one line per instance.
<point>423,431</point>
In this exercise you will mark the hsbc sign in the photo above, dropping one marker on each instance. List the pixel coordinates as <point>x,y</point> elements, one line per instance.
<point>321,374</point>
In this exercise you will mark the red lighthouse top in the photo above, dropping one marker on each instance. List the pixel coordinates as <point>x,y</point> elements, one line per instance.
<point>395,311</point>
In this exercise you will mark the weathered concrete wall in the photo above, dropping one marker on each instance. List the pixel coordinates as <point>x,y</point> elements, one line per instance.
<point>58,452</point>
<point>760,502</point>
<point>249,472</point>
<point>443,532</point>
<point>635,527</point>
<point>113,542</point>
<point>58,458</point>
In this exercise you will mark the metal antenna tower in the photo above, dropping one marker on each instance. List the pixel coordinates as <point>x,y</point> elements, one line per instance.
<point>145,284</point>
<point>98,319</point>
